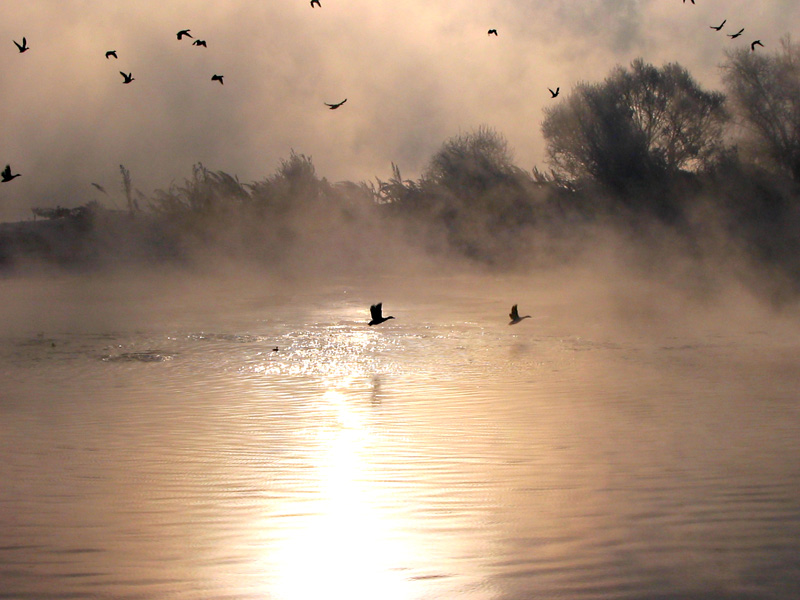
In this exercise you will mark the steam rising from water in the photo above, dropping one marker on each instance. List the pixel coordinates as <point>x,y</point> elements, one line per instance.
<point>616,444</point>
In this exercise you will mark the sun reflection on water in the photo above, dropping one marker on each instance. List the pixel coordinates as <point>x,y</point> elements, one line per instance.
<point>343,546</point>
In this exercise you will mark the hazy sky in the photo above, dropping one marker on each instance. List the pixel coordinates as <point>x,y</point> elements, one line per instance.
<point>414,72</point>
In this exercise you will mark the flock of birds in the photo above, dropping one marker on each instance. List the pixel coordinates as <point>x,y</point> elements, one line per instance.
<point>128,78</point>
<point>376,312</point>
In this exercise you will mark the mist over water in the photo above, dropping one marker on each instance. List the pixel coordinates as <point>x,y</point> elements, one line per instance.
<point>193,405</point>
<point>633,439</point>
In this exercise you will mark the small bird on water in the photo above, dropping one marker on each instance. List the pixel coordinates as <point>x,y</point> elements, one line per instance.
<point>7,176</point>
<point>376,311</point>
<point>514,316</point>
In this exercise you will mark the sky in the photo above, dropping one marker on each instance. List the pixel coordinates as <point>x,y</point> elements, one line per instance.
<point>414,73</point>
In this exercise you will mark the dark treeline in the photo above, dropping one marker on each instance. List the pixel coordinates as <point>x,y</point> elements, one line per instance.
<point>646,153</point>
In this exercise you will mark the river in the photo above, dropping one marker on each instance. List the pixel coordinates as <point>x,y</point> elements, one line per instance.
<point>197,438</point>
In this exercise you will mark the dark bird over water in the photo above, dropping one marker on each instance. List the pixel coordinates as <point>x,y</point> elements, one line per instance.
<point>514,316</point>
<point>218,78</point>
<point>315,2</point>
<point>737,34</point>
<point>718,27</point>
<point>337,105</point>
<point>127,77</point>
<point>24,45</point>
<point>492,32</point>
<point>111,53</point>
<point>376,311</point>
<point>199,43</point>
<point>183,32</point>
<point>552,93</point>
<point>754,44</point>
<point>7,176</point>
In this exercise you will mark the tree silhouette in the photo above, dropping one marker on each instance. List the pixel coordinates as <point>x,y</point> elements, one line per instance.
<point>639,124</point>
<point>472,162</point>
<point>765,90</point>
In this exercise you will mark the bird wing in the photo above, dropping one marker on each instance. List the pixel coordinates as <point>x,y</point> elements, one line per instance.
<point>376,311</point>
<point>514,314</point>
<point>7,171</point>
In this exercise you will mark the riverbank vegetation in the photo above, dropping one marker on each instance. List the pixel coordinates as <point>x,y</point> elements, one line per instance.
<point>647,153</point>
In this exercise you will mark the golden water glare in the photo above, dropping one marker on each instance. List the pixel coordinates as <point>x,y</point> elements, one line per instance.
<point>343,545</point>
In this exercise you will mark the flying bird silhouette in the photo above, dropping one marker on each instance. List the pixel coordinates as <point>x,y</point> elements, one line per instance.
<point>313,2</point>
<point>199,43</point>
<point>754,44</point>
<point>216,77</point>
<point>492,32</point>
<point>718,27</point>
<point>24,45</point>
<point>183,32</point>
<point>684,1</point>
<point>127,77</point>
<point>737,34</point>
<point>100,187</point>
<point>514,316</point>
<point>7,176</point>
<point>111,53</point>
<point>376,312</point>
<point>337,105</point>
<point>554,94</point>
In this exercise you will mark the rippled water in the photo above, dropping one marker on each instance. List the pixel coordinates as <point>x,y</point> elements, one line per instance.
<point>153,444</point>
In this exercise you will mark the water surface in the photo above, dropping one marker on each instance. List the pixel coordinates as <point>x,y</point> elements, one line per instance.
<point>153,444</point>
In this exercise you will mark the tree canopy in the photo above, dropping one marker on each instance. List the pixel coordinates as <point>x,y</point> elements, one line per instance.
<point>639,123</point>
<point>765,89</point>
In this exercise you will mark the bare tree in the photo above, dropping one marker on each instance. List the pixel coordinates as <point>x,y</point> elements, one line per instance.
<point>639,123</point>
<point>765,90</point>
